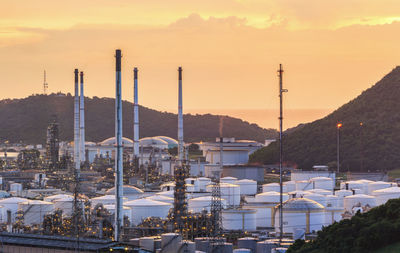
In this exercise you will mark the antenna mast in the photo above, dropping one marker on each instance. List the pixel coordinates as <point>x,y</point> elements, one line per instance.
<point>45,84</point>
<point>281,91</point>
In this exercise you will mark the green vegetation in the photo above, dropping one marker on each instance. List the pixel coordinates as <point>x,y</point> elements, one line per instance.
<point>26,120</point>
<point>365,232</point>
<point>393,248</point>
<point>373,145</point>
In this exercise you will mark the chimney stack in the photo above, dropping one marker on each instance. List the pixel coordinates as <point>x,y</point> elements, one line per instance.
<point>180,119</point>
<point>76,124</point>
<point>118,157</point>
<point>135,115</point>
<point>82,156</point>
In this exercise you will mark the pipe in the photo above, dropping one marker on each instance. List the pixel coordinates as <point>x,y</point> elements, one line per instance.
<point>82,156</point>
<point>180,119</point>
<point>135,115</point>
<point>118,157</point>
<point>76,124</point>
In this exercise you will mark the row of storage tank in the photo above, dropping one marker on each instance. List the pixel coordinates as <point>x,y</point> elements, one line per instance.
<point>312,203</point>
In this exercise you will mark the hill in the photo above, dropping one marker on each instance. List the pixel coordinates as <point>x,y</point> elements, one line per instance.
<point>25,120</point>
<point>365,232</point>
<point>372,146</point>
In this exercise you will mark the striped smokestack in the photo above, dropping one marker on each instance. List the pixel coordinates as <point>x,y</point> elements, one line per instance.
<point>82,156</point>
<point>76,124</point>
<point>118,157</point>
<point>135,115</point>
<point>180,118</point>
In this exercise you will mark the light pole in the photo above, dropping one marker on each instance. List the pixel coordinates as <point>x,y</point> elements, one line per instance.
<point>338,126</point>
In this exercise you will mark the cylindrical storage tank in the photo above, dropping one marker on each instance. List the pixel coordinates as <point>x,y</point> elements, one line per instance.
<point>222,247</point>
<point>104,200</point>
<point>161,198</point>
<point>358,200</point>
<point>333,214</point>
<point>247,243</point>
<point>239,219</point>
<point>228,180</point>
<point>170,242</point>
<point>266,246</point>
<point>365,183</point>
<point>241,250</point>
<point>190,180</point>
<point>229,192</point>
<point>144,208</point>
<point>201,183</point>
<point>166,193</point>
<point>35,210</point>
<point>271,187</point>
<point>127,211</point>
<point>317,198</point>
<point>303,185</point>
<point>377,186</point>
<point>270,197</point>
<point>11,205</point>
<point>343,193</point>
<point>247,186</point>
<point>333,201</point>
<point>301,213</point>
<point>16,187</point>
<point>351,185</point>
<point>169,186</point>
<point>147,243</point>
<point>325,183</point>
<point>289,186</point>
<point>57,196</point>
<point>190,188</point>
<point>321,191</point>
<point>197,205</point>
<point>130,192</point>
<point>383,195</point>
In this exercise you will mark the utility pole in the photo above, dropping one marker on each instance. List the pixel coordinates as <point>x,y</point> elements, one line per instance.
<point>281,91</point>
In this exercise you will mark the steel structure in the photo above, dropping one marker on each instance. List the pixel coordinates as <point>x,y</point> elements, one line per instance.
<point>119,150</point>
<point>135,158</point>
<point>52,145</point>
<point>82,156</point>
<point>76,124</point>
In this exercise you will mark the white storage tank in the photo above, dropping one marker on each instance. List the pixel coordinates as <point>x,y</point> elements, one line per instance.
<point>317,198</point>
<point>358,200</point>
<point>303,185</point>
<point>190,188</point>
<point>65,204</point>
<point>383,195</point>
<point>239,219</point>
<point>301,213</point>
<point>297,194</point>
<point>271,187</point>
<point>333,201</point>
<point>35,210</point>
<point>11,204</point>
<point>130,192</point>
<point>126,210</point>
<point>201,183</point>
<point>325,183</point>
<point>341,194</point>
<point>169,186</point>
<point>143,208</point>
<point>351,185</point>
<point>190,180</point>
<point>161,198</point>
<point>197,205</point>
<point>377,186</point>
<point>247,186</point>
<point>289,186</point>
<point>321,191</point>
<point>270,197</point>
<point>228,180</point>
<point>166,193</point>
<point>104,200</point>
<point>333,214</point>
<point>229,192</point>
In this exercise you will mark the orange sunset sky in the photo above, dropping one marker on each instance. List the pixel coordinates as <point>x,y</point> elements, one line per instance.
<point>229,49</point>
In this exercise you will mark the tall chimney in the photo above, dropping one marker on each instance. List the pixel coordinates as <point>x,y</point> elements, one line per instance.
<point>180,119</point>
<point>76,124</point>
<point>135,115</point>
<point>118,157</point>
<point>82,156</point>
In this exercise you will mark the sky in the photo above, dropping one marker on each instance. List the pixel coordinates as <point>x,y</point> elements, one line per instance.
<point>229,50</point>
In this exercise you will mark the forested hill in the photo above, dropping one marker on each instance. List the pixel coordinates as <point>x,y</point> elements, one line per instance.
<point>373,145</point>
<point>27,119</point>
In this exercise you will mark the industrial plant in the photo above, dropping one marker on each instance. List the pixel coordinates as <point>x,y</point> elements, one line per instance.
<point>158,194</point>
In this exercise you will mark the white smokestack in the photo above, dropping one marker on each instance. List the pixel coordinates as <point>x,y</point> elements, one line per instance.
<point>118,156</point>
<point>76,124</point>
<point>135,115</point>
<point>180,119</point>
<point>82,156</point>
